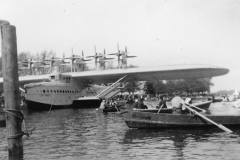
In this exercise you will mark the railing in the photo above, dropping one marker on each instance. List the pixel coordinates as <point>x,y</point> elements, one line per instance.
<point>110,89</point>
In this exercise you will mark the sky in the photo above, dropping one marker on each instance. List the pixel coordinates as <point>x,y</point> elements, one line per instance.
<point>159,32</point>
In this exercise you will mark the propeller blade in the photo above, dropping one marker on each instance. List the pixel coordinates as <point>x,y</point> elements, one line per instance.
<point>90,56</point>
<point>104,52</point>
<point>113,53</point>
<point>131,56</point>
<point>106,59</point>
<point>82,54</point>
<point>95,50</point>
<point>86,59</point>
<point>118,48</point>
<point>126,50</point>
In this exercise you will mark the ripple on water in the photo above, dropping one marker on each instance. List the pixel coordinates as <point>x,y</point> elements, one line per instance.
<point>86,134</point>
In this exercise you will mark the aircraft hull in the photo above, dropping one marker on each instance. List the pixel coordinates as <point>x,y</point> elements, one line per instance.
<point>2,119</point>
<point>37,106</point>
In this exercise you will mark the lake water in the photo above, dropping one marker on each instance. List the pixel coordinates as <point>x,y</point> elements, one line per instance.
<point>86,134</point>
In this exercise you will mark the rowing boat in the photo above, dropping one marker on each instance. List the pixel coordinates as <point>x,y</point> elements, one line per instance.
<point>136,119</point>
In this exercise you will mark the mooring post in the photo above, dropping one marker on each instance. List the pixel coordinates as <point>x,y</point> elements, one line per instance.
<point>14,116</point>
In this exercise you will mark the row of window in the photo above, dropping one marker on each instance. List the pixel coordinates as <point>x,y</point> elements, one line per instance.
<point>60,91</point>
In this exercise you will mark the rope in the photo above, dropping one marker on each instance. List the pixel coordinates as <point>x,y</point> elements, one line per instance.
<point>50,109</point>
<point>19,115</point>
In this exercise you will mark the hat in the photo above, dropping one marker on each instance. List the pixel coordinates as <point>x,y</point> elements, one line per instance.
<point>163,95</point>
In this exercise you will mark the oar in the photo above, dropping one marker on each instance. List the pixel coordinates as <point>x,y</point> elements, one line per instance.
<point>160,109</point>
<point>200,109</point>
<point>115,106</point>
<point>209,120</point>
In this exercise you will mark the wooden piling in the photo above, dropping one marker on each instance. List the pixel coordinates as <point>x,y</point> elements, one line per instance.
<point>11,92</point>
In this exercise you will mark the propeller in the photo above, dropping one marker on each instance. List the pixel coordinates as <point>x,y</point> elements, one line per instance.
<point>83,57</point>
<point>104,56</point>
<point>77,59</point>
<point>95,57</point>
<point>119,53</point>
<point>125,53</point>
<point>82,60</point>
<point>28,63</point>
<point>125,56</point>
<point>104,59</point>
<point>122,56</point>
<point>51,61</point>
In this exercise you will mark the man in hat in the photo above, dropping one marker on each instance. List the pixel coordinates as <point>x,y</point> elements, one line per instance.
<point>162,102</point>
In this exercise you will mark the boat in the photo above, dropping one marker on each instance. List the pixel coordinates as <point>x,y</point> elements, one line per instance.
<point>117,107</point>
<point>136,119</point>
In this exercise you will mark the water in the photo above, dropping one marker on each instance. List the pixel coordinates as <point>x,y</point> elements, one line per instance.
<point>86,134</point>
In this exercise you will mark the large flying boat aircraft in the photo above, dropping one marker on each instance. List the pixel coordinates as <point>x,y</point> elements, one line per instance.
<point>64,89</point>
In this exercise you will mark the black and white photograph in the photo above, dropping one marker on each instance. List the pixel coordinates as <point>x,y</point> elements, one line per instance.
<point>119,79</point>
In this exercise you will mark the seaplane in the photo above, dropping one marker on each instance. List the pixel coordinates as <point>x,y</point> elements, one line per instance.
<point>73,89</point>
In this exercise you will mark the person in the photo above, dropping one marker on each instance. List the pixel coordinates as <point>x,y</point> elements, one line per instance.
<point>141,104</point>
<point>162,102</point>
<point>177,104</point>
<point>102,105</point>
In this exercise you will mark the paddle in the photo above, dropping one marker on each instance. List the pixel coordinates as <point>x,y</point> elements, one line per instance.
<point>116,108</point>
<point>207,119</point>
<point>200,109</point>
<point>160,109</point>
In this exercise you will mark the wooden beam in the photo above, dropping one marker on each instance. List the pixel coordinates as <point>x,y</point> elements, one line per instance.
<point>11,92</point>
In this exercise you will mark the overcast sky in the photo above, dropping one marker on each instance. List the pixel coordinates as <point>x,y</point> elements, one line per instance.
<point>157,31</point>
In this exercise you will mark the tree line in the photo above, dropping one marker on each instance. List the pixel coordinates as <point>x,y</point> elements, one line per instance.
<point>182,86</point>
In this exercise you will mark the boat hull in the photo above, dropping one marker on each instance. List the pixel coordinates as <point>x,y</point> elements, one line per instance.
<point>135,119</point>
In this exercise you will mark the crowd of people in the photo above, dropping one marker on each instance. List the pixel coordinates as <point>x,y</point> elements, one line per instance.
<point>137,101</point>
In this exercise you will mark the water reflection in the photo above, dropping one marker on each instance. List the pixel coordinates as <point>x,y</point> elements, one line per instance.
<point>177,138</point>
<point>180,143</point>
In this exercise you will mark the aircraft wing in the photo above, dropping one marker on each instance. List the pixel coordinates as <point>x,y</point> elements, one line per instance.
<point>141,73</point>
<point>30,78</point>
<point>168,72</point>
